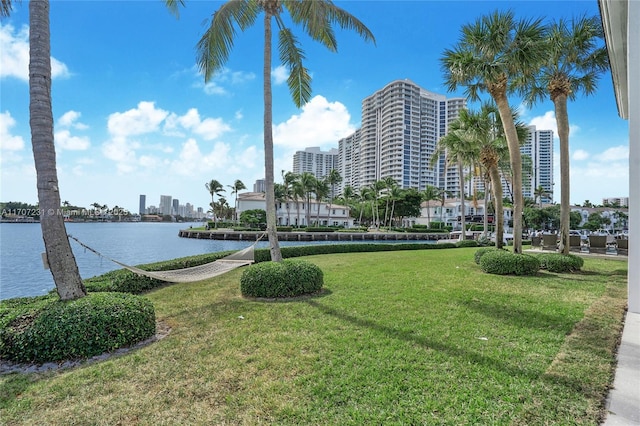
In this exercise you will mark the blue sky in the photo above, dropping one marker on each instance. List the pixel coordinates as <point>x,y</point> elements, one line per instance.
<point>133,116</point>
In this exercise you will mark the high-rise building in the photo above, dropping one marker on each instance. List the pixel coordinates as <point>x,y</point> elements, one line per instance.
<point>260,186</point>
<point>175,206</point>
<point>313,160</point>
<point>538,147</point>
<point>142,208</point>
<point>165,205</point>
<point>401,126</point>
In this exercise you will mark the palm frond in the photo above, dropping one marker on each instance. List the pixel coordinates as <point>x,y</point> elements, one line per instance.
<point>215,45</point>
<point>292,56</point>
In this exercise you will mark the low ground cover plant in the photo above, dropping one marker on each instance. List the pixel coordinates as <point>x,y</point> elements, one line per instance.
<point>54,330</point>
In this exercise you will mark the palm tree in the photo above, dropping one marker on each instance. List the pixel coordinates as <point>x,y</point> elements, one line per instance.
<point>576,58</point>
<point>389,183</point>
<point>365,194</point>
<point>316,19</point>
<point>288,180</point>
<point>539,193</point>
<point>60,259</point>
<point>496,54</point>
<point>333,178</point>
<point>237,186</point>
<point>322,191</point>
<point>429,194</point>
<point>307,184</point>
<point>459,148</point>
<point>215,188</point>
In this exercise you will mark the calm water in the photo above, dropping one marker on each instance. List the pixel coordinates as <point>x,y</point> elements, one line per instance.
<point>21,245</point>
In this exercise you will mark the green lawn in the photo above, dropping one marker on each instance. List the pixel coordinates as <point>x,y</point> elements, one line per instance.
<point>407,338</point>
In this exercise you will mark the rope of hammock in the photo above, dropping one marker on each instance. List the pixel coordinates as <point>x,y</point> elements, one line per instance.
<point>192,274</point>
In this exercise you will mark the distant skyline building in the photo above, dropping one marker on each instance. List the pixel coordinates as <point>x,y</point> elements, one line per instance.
<point>538,147</point>
<point>142,207</point>
<point>313,160</point>
<point>259,186</point>
<point>175,207</point>
<point>165,204</point>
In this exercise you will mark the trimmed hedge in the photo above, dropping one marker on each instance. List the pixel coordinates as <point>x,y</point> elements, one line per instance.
<point>49,330</point>
<point>467,243</point>
<point>481,252</point>
<point>289,278</point>
<point>560,263</point>
<point>502,262</point>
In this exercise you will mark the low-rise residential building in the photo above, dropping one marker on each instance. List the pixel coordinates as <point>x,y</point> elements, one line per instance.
<point>294,213</point>
<point>451,213</point>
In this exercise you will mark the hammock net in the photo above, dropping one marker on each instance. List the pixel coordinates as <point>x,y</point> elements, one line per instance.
<point>195,273</point>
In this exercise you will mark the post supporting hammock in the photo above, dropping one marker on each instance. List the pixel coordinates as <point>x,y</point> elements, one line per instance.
<point>195,273</point>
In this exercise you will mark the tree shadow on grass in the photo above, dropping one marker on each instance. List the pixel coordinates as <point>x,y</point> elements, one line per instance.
<point>430,344</point>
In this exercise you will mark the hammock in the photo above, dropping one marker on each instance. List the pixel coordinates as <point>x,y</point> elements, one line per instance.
<point>195,273</point>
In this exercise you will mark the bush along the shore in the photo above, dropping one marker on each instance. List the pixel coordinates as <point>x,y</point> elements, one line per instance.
<point>46,329</point>
<point>289,278</point>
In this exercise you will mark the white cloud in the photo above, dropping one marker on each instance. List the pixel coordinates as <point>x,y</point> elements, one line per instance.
<point>616,153</point>
<point>64,140</point>
<point>9,142</point>
<point>70,119</point>
<point>14,55</point>
<point>580,154</point>
<point>146,118</point>
<point>548,122</point>
<point>208,129</point>
<point>321,123</point>
<point>280,74</point>
<point>225,77</point>
<point>192,161</point>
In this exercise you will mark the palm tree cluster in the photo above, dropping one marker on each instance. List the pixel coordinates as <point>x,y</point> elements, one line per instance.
<point>221,208</point>
<point>503,56</point>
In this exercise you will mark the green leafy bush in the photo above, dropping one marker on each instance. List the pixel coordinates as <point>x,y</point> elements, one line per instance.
<point>288,278</point>
<point>502,262</point>
<point>467,243</point>
<point>284,228</point>
<point>560,263</point>
<point>53,330</point>
<point>318,229</point>
<point>481,252</point>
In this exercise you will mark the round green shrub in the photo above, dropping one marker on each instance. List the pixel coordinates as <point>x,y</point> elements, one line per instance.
<point>78,329</point>
<point>502,262</point>
<point>467,243</point>
<point>481,252</point>
<point>560,263</point>
<point>289,278</point>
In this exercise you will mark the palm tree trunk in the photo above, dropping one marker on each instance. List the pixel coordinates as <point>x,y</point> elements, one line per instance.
<point>498,219</point>
<point>463,236</point>
<point>516,168</point>
<point>272,233</point>
<point>562,121</point>
<point>60,258</point>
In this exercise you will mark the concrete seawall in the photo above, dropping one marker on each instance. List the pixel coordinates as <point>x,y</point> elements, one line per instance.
<point>312,236</point>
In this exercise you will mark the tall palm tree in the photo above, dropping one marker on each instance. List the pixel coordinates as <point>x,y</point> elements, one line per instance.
<point>237,186</point>
<point>539,193</point>
<point>322,191</point>
<point>288,180</point>
<point>576,58</point>
<point>365,194</point>
<point>495,54</point>
<point>215,188</point>
<point>333,178</point>
<point>60,259</point>
<point>315,17</point>
<point>429,194</point>
<point>389,183</point>
<point>307,182</point>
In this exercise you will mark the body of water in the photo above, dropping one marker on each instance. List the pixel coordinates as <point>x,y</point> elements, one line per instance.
<point>21,246</point>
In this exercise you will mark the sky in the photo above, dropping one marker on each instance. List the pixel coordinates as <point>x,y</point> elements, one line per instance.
<point>132,114</point>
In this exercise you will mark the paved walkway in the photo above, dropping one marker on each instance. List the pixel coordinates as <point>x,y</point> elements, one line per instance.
<point>623,403</point>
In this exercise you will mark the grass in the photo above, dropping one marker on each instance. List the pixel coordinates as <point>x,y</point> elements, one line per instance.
<point>411,337</point>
